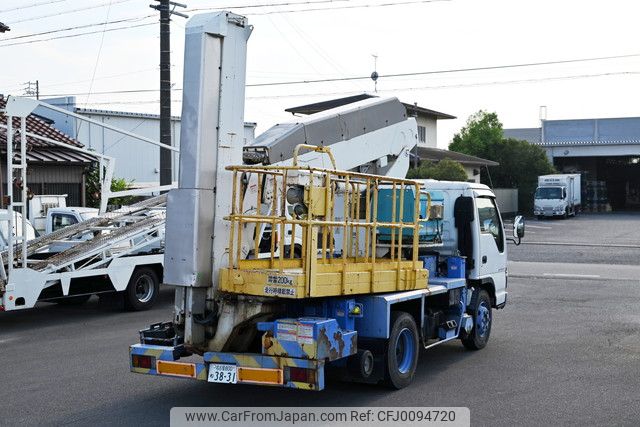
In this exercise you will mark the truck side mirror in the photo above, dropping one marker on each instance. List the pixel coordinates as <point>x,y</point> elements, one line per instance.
<point>518,229</point>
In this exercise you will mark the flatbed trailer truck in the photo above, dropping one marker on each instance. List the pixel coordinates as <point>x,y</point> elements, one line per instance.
<point>112,254</point>
<point>361,306</point>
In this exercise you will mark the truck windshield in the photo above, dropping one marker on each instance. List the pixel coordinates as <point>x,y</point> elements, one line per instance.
<point>549,193</point>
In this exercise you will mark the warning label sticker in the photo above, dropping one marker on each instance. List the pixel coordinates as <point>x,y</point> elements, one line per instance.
<point>278,291</point>
<point>298,332</point>
<point>305,334</point>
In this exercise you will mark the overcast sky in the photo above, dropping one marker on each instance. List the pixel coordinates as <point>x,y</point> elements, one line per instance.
<point>292,43</point>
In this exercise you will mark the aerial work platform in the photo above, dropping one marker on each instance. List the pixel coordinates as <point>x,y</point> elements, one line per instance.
<point>314,233</point>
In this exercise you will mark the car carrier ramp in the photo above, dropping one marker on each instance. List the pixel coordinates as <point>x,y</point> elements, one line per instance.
<point>93,243</point>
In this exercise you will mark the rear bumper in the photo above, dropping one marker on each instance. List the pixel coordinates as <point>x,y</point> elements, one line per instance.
<point>252,368</point>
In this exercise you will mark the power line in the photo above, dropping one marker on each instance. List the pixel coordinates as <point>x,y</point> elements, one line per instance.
<point>42,3</point>
<point>449,71</point>
<point>571,77</point>
<point>460,85</point>
<point>190,10</point>
<point>78,27</point>
<point>558,78</point>
<point>95,67</point>
<point>355,6</point>
<point>251,6</point>
<point>66,12</point>
<point>77,35</point>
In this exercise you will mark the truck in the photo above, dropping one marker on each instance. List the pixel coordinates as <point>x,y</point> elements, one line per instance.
<point>117,255</point>
<point>361,308</point>
<point>557,195</point>
<point>49,213</point>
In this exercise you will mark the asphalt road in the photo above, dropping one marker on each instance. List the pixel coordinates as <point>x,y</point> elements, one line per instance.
<point>565,351</point>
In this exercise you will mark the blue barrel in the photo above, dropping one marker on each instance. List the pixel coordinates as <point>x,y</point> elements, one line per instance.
<point>456,267</point>
<point>430,262</point>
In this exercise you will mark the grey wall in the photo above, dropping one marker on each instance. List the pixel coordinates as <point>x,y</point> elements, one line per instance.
<point>507,199</point>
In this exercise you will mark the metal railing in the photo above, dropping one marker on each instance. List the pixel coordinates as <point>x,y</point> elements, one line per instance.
<point>335,213</point>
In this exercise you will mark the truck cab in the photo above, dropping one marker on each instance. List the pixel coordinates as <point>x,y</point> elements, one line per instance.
<point>472,227</point>
<point>59,218</point>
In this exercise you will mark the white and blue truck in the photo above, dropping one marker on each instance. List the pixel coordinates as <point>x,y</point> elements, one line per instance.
<point>385,266</point>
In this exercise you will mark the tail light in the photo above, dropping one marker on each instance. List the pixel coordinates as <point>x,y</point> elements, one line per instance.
<point>144,362</point>
<point>302,375</point>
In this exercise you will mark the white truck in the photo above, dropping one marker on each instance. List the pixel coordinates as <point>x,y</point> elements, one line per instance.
<point>116,253</point>
<point>49,213</point>
<point>286,319</point>
<point>557,195</point>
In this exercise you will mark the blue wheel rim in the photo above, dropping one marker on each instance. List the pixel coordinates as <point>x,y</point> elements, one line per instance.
<point>405,348</point>
<point>483,319</point>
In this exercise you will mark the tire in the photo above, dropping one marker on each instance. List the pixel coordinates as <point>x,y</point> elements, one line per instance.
<point>142,290</point>
<point>480,311</point>
<point>540,217</point>
<point>76,300</point>
<point>401,350</point>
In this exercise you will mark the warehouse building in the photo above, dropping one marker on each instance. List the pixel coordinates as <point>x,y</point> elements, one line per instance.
<point>606,151</point>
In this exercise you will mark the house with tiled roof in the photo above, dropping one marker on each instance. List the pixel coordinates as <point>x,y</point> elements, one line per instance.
<point>52,169</point>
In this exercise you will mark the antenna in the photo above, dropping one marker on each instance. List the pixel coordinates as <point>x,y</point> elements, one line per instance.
<point>374,75</point>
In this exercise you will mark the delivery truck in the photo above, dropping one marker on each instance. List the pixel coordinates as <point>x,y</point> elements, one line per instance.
<point>557,195</point>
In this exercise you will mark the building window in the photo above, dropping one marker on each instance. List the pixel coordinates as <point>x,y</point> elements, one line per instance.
<point>422,134</point>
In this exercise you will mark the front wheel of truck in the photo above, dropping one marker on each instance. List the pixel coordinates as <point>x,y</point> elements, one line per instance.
<point>480,310</point>
<point>401,350</point>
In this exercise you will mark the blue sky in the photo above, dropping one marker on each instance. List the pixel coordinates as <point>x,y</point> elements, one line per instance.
<point>289,44</point>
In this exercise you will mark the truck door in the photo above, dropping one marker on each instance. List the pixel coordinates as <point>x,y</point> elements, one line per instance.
<point>492,256</point>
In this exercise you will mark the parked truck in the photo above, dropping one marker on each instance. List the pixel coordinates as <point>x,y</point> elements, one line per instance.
<point>362,307</point>
<point>557,195</point>
<point>81,252</point>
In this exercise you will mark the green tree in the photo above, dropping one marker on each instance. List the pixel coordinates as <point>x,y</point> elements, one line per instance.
<point>483,129</point>
<point>520,162</point>
<point>93,189</point>
<point>444,170</point>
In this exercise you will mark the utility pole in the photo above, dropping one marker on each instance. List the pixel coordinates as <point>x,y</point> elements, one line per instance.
<point>32,89</point>
<point>166,10</point>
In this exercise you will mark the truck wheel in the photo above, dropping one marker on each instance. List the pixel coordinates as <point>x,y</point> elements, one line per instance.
<point>76,300</point>
<point>142,290</point>
<point>402,350</point>
<point>480,311</point>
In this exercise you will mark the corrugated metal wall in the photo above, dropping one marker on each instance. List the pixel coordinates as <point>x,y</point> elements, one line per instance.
<point>54,179</point>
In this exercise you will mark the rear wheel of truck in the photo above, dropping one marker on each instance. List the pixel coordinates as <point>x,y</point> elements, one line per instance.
<point>480,311</point>
<point>142,290</point>
<point>401,350</point>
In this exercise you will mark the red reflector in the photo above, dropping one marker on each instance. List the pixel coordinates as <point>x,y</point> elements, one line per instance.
<point>302,375</point>
<point>145,362</point>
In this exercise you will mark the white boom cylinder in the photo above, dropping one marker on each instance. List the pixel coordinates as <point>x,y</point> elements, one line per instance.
<point>211,138</point>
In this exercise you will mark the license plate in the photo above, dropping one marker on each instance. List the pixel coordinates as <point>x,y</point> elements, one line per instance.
<point>223,373</point>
